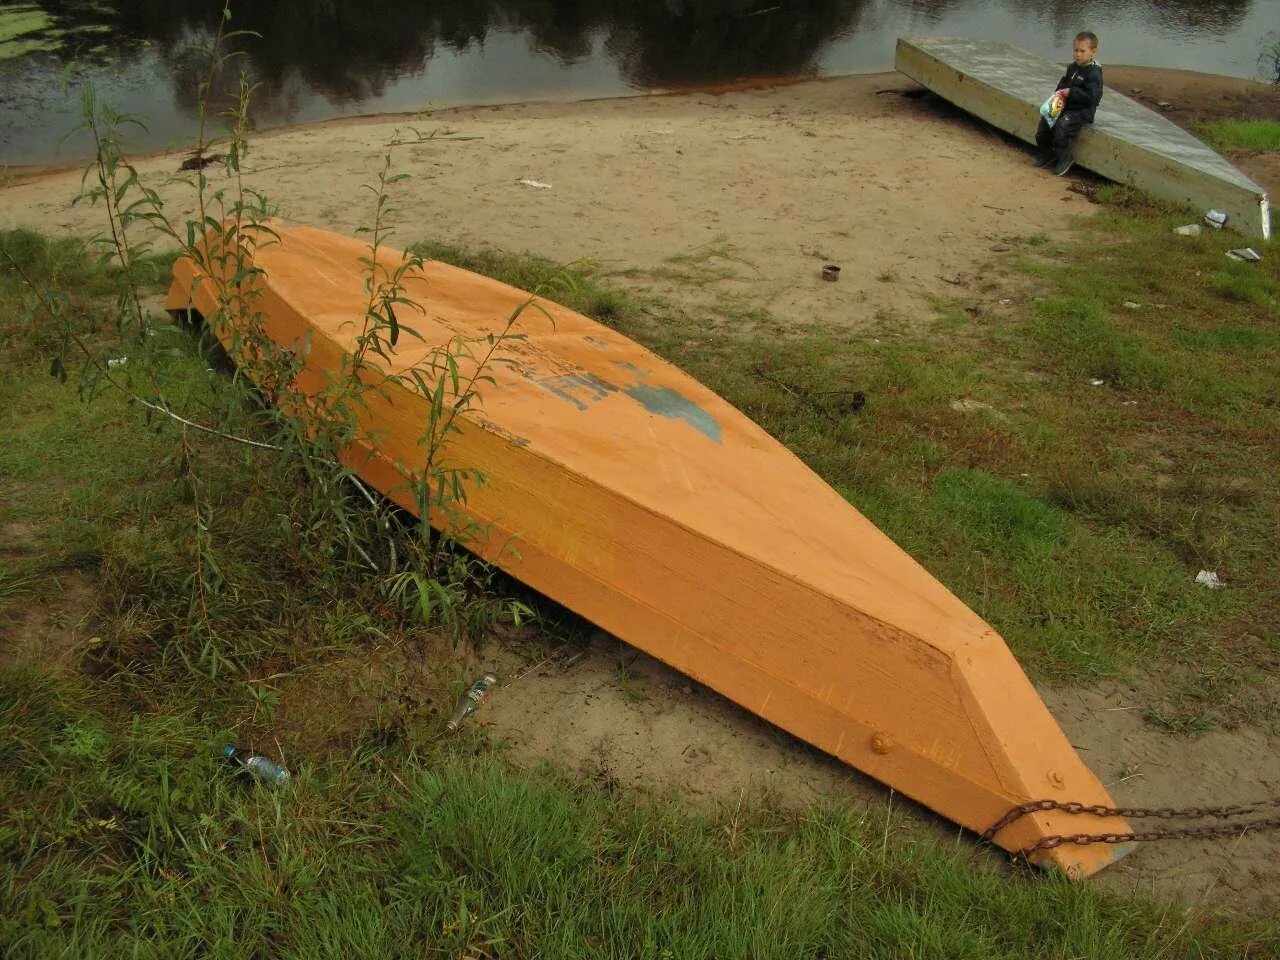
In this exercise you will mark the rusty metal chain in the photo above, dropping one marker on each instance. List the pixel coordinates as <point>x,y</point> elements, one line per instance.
<point>1173,833</point>
<point>1136,813</point>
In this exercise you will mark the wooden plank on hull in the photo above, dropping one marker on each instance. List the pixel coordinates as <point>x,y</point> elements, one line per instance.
<point>635,496</point>
<point>1127,143</point>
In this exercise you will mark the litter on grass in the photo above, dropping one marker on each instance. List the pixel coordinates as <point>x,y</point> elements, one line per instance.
<point>1245,255</point>
<point>470,701</point>
<point>972,406</point>
<point>1210,579</point>
<point>258,767</point>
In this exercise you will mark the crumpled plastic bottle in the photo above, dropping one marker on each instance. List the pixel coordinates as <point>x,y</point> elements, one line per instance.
<point>470,700</point>
<point>259,767</point>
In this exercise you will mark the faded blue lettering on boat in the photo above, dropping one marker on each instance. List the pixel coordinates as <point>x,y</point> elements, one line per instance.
<point>667,403</point>
<point>565,387</point>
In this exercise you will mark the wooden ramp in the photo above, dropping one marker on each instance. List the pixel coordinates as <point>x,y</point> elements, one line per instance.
<point>638,498</point>
<point>1127,143</point>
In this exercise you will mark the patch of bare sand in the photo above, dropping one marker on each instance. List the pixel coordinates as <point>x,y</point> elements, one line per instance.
<point>1188,97</point>
<point>619,715</point>
<point>625,720</point>
<point>53,630</point>
<point>1262,168</point>
<point>1145,768</point>
<point>38,624</point>
<point>388,690</point>
<point>901,192</point>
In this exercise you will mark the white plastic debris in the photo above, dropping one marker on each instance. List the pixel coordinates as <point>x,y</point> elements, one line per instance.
<point>1245,255</point>
<point>972,406</point>
<point>1132,305</point>
<point>1095,382</point>
<point>1210,579</point>
<point>536,184</point>
<point>116,362</point>
<point>1189,230</point>
<point>1005,301</point>
<point>1216,219</point>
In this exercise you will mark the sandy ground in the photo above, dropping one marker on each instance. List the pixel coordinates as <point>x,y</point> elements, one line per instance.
<point>905,194</point>
<point>623,719</point>
<point>855,171</point>
<point>846,171</point>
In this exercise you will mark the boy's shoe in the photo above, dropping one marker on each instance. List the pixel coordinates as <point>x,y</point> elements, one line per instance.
<point>1062,166</point>
<point>1043,160</point>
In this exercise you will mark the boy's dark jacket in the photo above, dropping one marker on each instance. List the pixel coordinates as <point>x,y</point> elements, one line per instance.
<point>1085,86</point>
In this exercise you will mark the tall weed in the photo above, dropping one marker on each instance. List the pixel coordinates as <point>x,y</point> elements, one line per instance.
<point>336,526</point>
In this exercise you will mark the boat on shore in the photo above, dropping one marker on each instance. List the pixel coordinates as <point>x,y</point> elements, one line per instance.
<point>632,494</point>
<point>1127,143</point>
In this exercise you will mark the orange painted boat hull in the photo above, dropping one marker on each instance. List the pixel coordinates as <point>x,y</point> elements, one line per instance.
<point>633,495</point>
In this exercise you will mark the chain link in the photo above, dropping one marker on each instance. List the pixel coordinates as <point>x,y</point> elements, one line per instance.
<point>1174,833</point>
<point>1137,813</point>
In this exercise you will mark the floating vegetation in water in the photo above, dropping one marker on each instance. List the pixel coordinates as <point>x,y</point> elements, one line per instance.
<point>25,29</point>
<point>29,29</point>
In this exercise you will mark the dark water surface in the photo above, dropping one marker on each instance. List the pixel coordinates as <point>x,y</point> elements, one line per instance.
<point>325,58</point>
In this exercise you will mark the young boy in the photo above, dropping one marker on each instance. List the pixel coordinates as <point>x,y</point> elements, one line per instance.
<point>1083,85</point>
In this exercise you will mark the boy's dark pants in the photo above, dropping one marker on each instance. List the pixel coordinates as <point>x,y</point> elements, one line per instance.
<point>1058,141</point>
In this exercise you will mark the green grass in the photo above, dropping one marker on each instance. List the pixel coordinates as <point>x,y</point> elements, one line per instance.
<point>576,284</point>
<point>12,586</point>
<point>1226,339</point>
<point>104,488</point>
<point>702,267</point>
<point>1075,339</point>
<point>1260,135</point>
<point>126,836</point>
<point>24,29</point>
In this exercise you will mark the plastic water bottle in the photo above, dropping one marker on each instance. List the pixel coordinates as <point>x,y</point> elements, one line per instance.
<point>259,767</point>
<point>470,700</point>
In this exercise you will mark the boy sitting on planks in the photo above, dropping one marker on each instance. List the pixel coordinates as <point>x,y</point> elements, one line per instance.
<point>1081,90</point>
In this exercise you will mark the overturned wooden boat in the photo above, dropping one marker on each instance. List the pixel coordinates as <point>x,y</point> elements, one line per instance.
<point>633,495</point>
<point>1127,143</point>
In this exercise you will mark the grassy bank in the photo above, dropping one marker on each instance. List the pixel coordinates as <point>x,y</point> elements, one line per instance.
<point>1072,517</point>
<point>129,839</point>
<point>1259,135</point>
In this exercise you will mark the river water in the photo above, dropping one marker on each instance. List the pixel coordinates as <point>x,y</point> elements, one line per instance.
<point>315,59</point>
